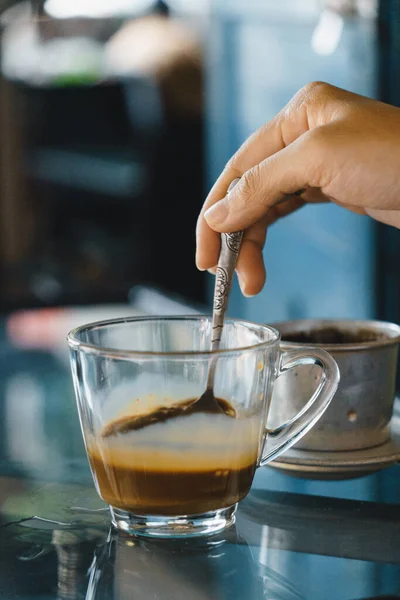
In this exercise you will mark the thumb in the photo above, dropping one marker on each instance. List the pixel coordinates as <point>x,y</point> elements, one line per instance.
<point>293,168</point>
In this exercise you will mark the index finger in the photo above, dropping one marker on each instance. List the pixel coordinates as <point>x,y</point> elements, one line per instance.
<point>272,137</point>
<point>248,155</point>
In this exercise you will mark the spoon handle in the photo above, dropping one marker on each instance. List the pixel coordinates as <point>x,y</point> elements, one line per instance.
<point>230,247</point>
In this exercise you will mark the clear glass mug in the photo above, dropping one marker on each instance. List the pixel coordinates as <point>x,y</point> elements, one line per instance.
<point>183,476</point>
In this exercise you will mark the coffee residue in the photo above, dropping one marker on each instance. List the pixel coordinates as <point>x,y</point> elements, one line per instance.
<point>160,414</point>
<point>333,335</point>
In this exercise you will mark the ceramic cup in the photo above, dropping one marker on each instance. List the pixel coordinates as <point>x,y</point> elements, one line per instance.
<point>360,412</point>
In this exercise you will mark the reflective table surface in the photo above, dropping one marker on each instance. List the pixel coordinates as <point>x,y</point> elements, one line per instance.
<point>294,538</point>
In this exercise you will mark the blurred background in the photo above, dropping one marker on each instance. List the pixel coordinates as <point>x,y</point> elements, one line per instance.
<point>116,117</point>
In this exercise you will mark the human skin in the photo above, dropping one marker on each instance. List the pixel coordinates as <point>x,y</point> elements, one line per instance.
<point>334,145</point>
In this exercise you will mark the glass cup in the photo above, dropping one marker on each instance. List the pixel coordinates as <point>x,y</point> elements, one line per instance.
<point>183,476</point>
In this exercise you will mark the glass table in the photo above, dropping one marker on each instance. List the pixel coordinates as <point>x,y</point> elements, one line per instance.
<point>294,538</point>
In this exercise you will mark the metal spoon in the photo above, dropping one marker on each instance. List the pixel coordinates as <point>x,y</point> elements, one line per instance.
<point>230,247</point>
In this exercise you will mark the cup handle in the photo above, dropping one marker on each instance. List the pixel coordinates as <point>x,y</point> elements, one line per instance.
<point>283,437</point>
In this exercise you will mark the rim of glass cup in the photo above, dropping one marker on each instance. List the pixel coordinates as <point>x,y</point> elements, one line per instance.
<point>76,344</point>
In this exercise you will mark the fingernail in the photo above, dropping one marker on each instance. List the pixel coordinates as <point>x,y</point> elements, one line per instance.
<point>212,271</point>
<point>196,260</point>
<point>242,285</point>
<point>217,214</point>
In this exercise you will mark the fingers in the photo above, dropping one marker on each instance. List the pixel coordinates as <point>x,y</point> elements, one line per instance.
<point>303,164</point>
<point>284,208</point>
<point>290,124</point>
<point>208,241</point>
<point>208,244</point>
<point>314,105</point>
<point>250,268</point>
<point>268,140</point>
<point>275,161</point>
<point>262,143</point>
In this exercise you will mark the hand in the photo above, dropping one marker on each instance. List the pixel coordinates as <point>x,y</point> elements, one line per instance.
<point>337,146</point>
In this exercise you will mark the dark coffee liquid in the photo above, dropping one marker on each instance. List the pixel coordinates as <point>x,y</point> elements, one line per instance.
<point>148,491</point>
<point>332,335</point>
<point>190,465</point>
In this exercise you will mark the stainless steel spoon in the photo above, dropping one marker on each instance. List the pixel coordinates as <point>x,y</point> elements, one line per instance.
<point>230,248</point>
<point>207,402</point>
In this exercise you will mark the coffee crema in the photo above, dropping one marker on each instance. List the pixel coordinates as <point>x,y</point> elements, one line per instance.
<point>186,466</point>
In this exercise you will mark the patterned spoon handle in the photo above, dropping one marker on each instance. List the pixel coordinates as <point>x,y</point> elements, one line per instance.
<point>230,247</point>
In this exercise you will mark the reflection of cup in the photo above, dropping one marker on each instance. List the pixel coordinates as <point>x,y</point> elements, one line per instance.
<point>183,476</point>
<point>221,566</point>
<point>360,413</point>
